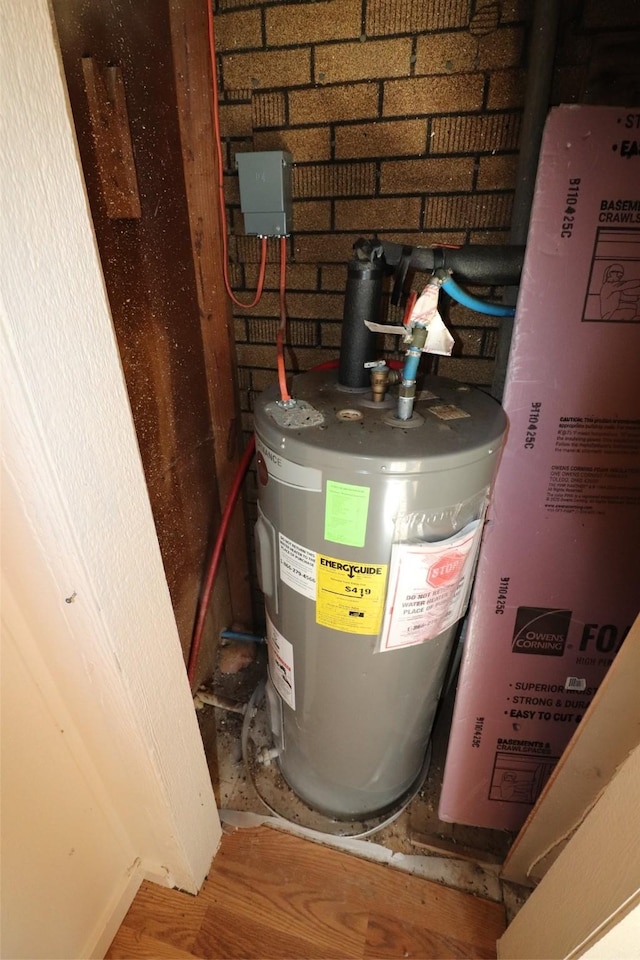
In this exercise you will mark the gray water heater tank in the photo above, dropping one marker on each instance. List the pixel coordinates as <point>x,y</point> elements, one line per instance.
<point>366,540</point>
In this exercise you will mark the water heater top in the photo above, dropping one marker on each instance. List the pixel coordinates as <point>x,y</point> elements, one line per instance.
<point>453,424</point>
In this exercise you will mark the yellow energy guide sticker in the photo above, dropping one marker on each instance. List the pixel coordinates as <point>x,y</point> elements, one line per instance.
<point>350,595</point>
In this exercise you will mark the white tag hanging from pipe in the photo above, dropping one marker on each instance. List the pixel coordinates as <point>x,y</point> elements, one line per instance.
<point>425,311</point>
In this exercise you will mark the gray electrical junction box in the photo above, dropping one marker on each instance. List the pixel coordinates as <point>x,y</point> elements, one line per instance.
<point>265,192</point>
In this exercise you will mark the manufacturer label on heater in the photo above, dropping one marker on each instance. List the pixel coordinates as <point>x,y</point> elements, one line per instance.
<point>297,567</point>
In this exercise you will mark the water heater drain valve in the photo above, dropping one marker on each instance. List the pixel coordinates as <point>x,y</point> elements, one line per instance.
<point>267,754</point>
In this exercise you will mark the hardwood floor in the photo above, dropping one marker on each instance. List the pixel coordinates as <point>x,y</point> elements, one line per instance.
<point>273,896</point>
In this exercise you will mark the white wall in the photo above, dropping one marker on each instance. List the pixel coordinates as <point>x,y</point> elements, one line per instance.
<point>68,866</point>
<point>129,774</point>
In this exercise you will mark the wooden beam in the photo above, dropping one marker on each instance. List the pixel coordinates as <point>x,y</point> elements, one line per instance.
<point>194,95</point>
<point>112,140</point>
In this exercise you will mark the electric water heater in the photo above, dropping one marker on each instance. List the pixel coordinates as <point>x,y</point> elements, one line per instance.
<point>367,534</point>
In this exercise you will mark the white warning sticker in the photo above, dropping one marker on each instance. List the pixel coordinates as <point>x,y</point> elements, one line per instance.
<point>448,411</point>
<point>429,587</point>
<point>297,567</point>
<point>281,669</point>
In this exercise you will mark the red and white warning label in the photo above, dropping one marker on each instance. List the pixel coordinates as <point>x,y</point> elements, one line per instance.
<point>429,587</point>
<point>281,664</point>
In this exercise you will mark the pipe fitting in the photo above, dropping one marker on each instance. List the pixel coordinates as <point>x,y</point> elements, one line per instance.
<point>267,754</point>
<point>379,383</point>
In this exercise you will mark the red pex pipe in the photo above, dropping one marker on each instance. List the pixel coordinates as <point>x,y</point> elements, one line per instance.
<point>216,555</point>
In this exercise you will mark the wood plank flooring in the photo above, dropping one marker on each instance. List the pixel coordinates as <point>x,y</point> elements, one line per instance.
<point>273,896</point>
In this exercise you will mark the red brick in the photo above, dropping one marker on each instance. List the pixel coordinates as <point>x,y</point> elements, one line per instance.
<point>424,238</point>
<point>271,276</point>
<point>272,68</point>
<point>302,333</point>
<point>334,180</point>
<point>370,215</point>
<point>240,329</point>
<point>477,133</point>
<point>497,173</point>
<point>231,189</point>
<point>329,20</point>
<point>466,371</point>
<point>237,146</point>
<point>312,215</point>
<point>415,16</point>
<point>460,316</point>
<point>330,334</point>
<point>249,249</point>
<point>235,120</point>
<point>485,19</point>
<point>268,109</point>
<point>296,358</point>
<point>324,247</point>
<point>298,333</point>
<point>333,277</point>
<point>461,211</point>
<point>489,236</point>
<point>303,358</point>
<point>515,11</point>
<point>250,355</point>
<point>395,137</point>
<point>244,380</point>
<point>506,89</point>
<point>446,53</point>
<point>263,379</point>
<point>300,276</point>
<point>263,330</point>
<point>312,143</point>
<point>500,49</point>
<point>428,95</point>
<point>268,306</point>
<point>335,63</point>
<point>235,218</point>
<point>469,341</point>
<point>330,104</point>
<point>238,30</point>
<point>316,306</point>
<point>427,176</point>
<point>247,421</point>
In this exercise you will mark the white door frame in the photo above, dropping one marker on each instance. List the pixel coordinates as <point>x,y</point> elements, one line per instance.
<point>80,551</point>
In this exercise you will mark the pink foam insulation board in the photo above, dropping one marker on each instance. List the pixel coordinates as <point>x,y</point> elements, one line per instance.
<point>558,580</point>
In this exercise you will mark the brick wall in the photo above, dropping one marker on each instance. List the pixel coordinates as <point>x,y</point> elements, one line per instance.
<point>403,119</point>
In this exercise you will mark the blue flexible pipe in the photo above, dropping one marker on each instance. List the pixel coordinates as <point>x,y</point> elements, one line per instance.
<point>241,637</point>
<point>473,303</point>
<point>410,369</point>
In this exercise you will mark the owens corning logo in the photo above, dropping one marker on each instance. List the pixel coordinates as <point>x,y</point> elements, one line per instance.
<point>541,630</point>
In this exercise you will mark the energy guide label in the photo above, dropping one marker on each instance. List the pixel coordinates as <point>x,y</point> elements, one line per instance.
<point>281,664</point>
<point>350,595</point>
<point>297,567</point>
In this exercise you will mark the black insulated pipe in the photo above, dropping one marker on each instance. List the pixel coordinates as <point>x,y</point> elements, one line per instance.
<point>476,264</point>
<point>363,298</point>
<point>542,47</point>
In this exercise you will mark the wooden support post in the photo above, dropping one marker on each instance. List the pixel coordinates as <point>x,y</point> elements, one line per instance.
<point>194,95</point>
